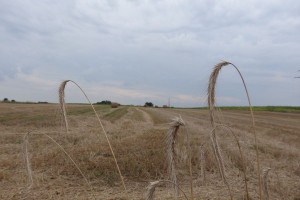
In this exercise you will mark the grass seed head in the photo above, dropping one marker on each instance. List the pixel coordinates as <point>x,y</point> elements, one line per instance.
<point>171,154</point>
<point>61,94</point>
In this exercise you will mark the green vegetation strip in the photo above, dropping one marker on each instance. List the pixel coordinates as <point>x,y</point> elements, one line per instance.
<point>116,114</point>
<point>79,111</point>
<point>259,108</point>
<point>138,115</point>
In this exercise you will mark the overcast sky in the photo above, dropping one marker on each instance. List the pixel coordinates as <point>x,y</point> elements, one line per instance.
<point>137,51</point>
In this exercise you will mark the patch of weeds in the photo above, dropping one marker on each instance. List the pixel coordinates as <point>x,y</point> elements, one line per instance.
<point>138,115</point>
<point>79,112</point>
<point>109,178</point>
<point>260,148</point>
<point>75,141</point>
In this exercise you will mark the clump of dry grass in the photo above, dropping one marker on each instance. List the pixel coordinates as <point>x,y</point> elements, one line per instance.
<point>61,94</point>
<point>265,183</point>
<point>211,104</point>
<point>140,158</point>
<point>28,165</point>
<point>152,186</point>
<point>74,163</point>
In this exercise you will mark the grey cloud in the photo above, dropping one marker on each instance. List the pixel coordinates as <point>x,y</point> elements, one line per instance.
<point>162,46</point>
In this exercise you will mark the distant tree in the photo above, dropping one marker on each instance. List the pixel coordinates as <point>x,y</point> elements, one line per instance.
<point>105,102</point>
<point>43,102</point>
<point>5,99</point>
<point>149,104</point>
<point>13,101</point>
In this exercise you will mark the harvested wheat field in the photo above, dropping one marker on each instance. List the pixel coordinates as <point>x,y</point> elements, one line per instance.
<point>40,160</point>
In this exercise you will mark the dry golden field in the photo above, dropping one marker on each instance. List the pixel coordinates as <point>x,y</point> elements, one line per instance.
<point>138,137</point>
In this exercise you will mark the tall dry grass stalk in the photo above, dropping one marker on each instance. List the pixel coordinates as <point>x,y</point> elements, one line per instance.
<point>265,183</point>
<point>241,155</point>
<point>211,104</point>
<point>190,158</point>
<point>171,154</point>
<point>202,164</point>
<point>63,109</point>
<point>27,161</point>
<point>152,186</point>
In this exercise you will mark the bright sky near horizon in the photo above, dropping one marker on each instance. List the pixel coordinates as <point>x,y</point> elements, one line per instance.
<point>152,50</point>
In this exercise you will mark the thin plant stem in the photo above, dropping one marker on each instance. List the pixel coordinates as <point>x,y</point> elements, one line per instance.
<point>254,133</point>
<point>101,125</point>
<point>190,160</point>
<point>27,161</point>
<point>74,163</point>
<point>211,102</point>
<point>241,154</point>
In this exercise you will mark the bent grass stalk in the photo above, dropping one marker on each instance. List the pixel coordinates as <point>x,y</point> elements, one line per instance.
<point>74,163</point>
<point>152,186</point>
<point>61,93</point>
<point>171,155</point>
<point>27,162</point>
<point>171,140</point>
<point>63,108</point>
<point>211,104</point>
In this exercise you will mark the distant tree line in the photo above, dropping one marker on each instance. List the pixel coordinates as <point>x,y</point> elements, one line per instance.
<point>105,102</point>
<point>149,104</point>
<point>6,100</point>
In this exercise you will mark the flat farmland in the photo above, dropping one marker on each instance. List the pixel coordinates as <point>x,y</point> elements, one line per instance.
<point>138,137</point>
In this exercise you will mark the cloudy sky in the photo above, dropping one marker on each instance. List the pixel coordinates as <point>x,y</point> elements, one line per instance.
<point>152,50</point>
